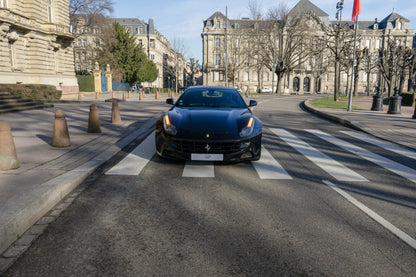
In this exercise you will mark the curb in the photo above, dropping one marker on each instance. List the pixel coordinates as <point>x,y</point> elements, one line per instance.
<point>353,124</point>
<point>19,213</point>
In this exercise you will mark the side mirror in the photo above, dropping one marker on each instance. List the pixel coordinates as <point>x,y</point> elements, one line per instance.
<point>252,103</point>
<point>169,101</point>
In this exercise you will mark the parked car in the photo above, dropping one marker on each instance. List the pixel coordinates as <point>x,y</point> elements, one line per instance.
<point>209,124</point>
<point>266,90</point>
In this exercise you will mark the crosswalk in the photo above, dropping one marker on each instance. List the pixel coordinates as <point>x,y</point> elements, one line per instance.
<point>268,167</point>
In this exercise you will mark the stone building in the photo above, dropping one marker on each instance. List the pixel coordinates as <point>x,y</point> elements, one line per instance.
<point>308,76</point>
<point>158,49</point>
<point>36,44</point>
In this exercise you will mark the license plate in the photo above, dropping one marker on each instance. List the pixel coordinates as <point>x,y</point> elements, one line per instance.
<point>207,157</point>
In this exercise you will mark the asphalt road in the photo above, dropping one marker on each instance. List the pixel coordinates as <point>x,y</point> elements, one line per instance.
<point>325,214</point>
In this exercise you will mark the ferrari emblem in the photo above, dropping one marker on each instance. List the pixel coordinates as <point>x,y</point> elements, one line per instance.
<point>207,147</point>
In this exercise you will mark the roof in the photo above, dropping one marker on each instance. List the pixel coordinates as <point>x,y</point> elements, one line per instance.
<point>305,6</point>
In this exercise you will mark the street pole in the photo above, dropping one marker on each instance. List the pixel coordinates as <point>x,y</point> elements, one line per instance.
<point>353,65</point>
<point>274,56</point>
<point>340,6</point>
<point>226,46</point>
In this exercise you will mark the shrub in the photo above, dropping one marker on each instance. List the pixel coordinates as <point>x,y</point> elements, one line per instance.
<point>32,91</point>
<point>86,83</point>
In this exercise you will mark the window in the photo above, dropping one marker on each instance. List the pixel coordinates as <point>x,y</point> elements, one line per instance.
<point>84,42</point>
<point>368,43</point>
<point>3,4</point>
<point>152,57</point>
<point>11,53</point>
<point>218,24</point>
<point>50,11</point>
<point>140,42</point>
<point>246,76</point>
<point>152,43</point>
<point>217,59</point>
<point>365,77</point>
<point>217,42</point>
<point>80,42</point>
<point>399,25</point>
<point>141,30</point>
<point>378,44</point>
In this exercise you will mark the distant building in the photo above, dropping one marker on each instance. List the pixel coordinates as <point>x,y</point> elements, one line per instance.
<point>154,44</point>
<point>36,44</point>
<point>304,78</point>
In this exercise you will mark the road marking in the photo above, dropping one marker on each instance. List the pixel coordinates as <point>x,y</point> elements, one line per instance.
<point>386,145</point>
<point>332,167</point>
<point>134,162</point>
<point>386,224</point>
<point>388,164</point>
<point>268,168</point>
<point>198,169</point>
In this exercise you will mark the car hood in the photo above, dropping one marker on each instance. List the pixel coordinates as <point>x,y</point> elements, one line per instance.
<point>208,123</point>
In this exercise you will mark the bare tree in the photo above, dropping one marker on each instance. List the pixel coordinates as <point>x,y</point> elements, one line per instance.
<point>238,54</point>
<point>254,8</point>
<point>369,67</point>
<point>290,42</point>
<point>339,41</point>
<point>393,62</point>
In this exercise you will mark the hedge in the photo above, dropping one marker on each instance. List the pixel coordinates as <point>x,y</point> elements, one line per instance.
<point>86,83</point>
<point>32,91</point>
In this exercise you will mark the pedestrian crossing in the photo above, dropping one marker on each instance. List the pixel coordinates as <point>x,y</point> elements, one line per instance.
<point>269,168</point>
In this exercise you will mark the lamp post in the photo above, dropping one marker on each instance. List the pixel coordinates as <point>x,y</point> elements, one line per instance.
<point>340,6</point>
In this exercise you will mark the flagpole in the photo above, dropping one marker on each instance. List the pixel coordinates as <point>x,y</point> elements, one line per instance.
<point>356,10</point>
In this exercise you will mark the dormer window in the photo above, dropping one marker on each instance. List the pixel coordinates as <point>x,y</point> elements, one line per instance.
<point>236,25</point>
<point>218,24</point>
<point>375,26</point>
<point>399,25</point>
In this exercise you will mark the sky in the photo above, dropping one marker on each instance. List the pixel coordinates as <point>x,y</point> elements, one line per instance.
<point>182,20</point>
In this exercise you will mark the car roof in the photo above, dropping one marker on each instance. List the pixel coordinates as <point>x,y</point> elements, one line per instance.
<point>212,87</point>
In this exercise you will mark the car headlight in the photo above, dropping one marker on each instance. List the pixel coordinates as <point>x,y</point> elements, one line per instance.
<point>168,126</point>
<point>248,129</point>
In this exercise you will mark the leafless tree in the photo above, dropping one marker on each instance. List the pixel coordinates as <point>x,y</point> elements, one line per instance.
<point>393,62</point>
<point>255,9</point>
<point>238,54</point>
<point>289,41</point>
<point>339,41</point>
<point>369,67</point>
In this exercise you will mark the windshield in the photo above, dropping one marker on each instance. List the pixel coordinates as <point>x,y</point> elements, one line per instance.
<point>215,97</point>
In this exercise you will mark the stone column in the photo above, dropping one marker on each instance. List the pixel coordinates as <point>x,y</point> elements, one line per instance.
<point>107,74</point>
<point>97,78</point>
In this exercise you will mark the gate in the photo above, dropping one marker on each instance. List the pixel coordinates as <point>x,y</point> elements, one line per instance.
<point>104,82</point>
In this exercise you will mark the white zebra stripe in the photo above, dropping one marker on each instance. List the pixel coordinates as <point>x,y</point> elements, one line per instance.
<point>332,167</point>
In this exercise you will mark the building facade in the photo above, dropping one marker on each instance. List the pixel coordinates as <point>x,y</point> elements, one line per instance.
<point>36,44</point>
<point>309,76</point>
<point>157,48</point>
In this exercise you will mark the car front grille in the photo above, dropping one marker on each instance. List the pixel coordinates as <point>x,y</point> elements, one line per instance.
<point>225,147</point>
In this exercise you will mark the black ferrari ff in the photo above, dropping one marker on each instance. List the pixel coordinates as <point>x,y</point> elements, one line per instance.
<point>209,124</point>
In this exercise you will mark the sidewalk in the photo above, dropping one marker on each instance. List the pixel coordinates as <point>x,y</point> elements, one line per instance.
<point>396,128</point>
<point>48,174</point>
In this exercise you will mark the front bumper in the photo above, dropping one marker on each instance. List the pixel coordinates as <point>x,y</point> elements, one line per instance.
<point>232,150</point>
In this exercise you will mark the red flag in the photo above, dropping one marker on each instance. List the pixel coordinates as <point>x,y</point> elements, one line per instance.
<point>356,9</point>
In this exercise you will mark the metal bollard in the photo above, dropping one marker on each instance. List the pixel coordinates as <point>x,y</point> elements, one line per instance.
<point>377,101</point>
<point>395,103</point>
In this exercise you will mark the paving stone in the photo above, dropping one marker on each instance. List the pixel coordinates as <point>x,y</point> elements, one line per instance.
<point>5,263</point>
<point>26,239</point>
<point>37,229</point>
<point>15,251</point>
<point>46,220</point>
